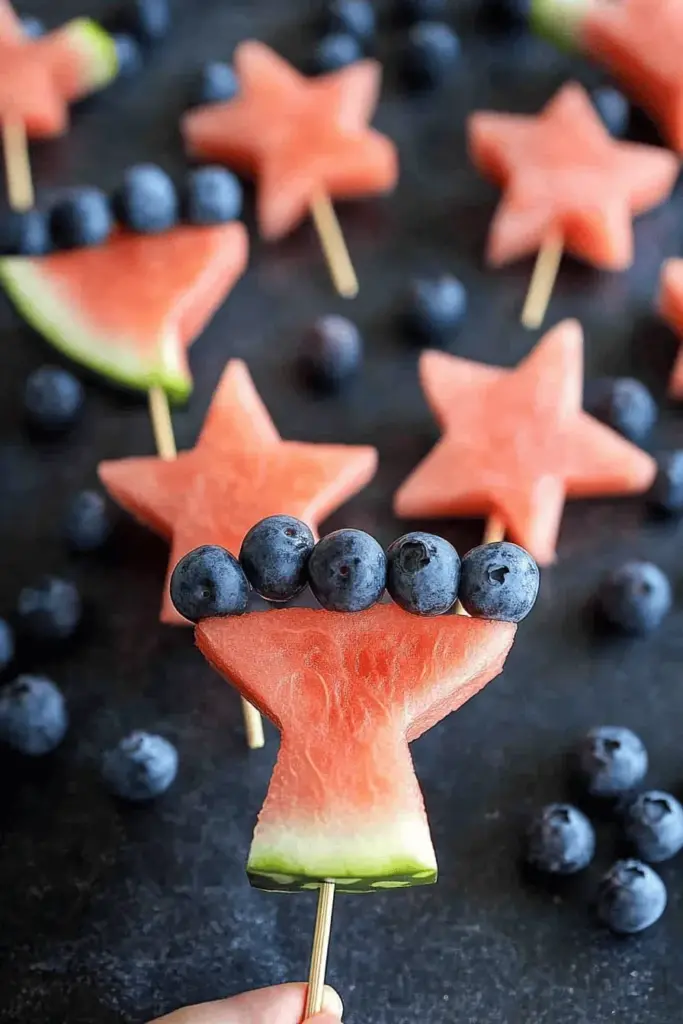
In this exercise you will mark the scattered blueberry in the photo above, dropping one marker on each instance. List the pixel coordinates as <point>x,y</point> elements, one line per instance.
<point>81,218</point>
<point>498,581</point>
<point>216,83</point>
<point>624,404</point>
<point>148,21</point>
<point>613,108</point>
<point>141,767</point>
<point>331,352</point>
<point>24,233</point>
<point>507,14</point>
<point>146,201</point>
<point>667,490</point>
<point>423,10</point>
<point>611,761</point>
<point>635,597</point>
<point>431,50</point>
<point>6,645</point>
<point>335,51</point>
<point>631,897</point>
<point>33,715</point>
<point>128,55</point>
<point>209,581</point>
<point>87,525</point>
<point>33,28</point>
<point>355,17</point>
<point>211,195</point>
<point>653,823</point>
<point>423,573</point>
<point>53,399</point>
<point>560,840</point>
<point>50,610</point>
<point>436,306</point>
<point>347,571</point>
<point>275,555</point>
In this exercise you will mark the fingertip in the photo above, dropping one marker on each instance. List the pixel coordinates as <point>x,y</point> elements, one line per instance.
<point>332,1004</point>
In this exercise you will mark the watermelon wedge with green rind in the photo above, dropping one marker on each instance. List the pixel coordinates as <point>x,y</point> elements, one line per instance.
<point>348,693</point>
<point>130,309</point>
<point>559,21</point>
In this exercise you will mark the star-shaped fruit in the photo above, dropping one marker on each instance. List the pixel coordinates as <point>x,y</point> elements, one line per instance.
<point>39,78</point>
<point>670,304</point>
<point>562,173</point>
<point>517,443</point>
<point>301,138</point>
<point>239,472</point>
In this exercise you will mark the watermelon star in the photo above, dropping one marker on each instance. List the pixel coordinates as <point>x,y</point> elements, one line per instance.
<point>348,693</point>
<point>239,472</point>
<point>670,304</point>
<point>300,137</point>
<point>563,174</point>
<point>517,443</point>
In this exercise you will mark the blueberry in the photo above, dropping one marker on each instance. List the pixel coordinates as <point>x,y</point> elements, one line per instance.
<point>53,399</point>
<point>128,55</point>
<point>24,233</point>
<point>142,766</point>
<point>423,10</point>
<point>146,201</point>
<point>355,17</point>
<point>148,21</point>
<point>6,645</point>
<point>50,610</point>
<point>209,581</point>
<point>215,83</point>
<point>275,555</point>
<point>635,598</point>
<point>335,51</point>
<point>211,195</point>
<point>431,50</point>
<point>507,14</point>
<point>560,840</point>
<point>331,352</point>
<point>33,715</point>
<point>667,490</point>
<point>631,897</point>
<point>653,823</point>
<point>81,218</point>
<point>87,524</point>
<point>33,28</point>
<point>435,306</point>
<point>610,761</point>
<point>347,571</point>
<point>498,581</point>
<point>423,573</point>
<point>613,108</point>
<point>624,404</point>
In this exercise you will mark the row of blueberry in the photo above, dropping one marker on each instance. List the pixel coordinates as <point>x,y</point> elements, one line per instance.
<point>348,571</point>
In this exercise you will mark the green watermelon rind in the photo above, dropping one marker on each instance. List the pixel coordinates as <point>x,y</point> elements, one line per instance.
<point>397,878</point>
<point>559,21</point>
<point>23,281</point>
<point>97,47</point>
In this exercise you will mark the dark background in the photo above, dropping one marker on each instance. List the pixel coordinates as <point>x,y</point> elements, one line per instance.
<point>110,914</point>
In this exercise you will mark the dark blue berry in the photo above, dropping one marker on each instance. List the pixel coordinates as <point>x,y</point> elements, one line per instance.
<point>141,767</point>
<point>613,108</point>
<point>331,352</point>
<point>53,399</point>
<point>33,28</point>
<point>611,761</point>
<point>430,52</point>
<point>216,83</point>
<point>211,195</point>
<point>423,10</point>
<point>81,218</point>
<point>24,233</point>
<point>148,21</point>
<point>498,581</point>
<point>667,490</point>
<point>6,645</point>
<point>504,15</point>
<point>435,307</point>
<point>146,201</point>
<point>624,404</point>
<point>560,840</point>
<point>423,573</point>
<point>653,823</point>
<point>631,897</point>
<point>355,17</point>
<point>336,51</point>
<point>209,581</point>
<point>275,555</point>
<point>128,55</point>
<point>635,598</point>
<point>87,524</point>
<point>50,610</point>
<point>33,715</point>
<point>347,571</point>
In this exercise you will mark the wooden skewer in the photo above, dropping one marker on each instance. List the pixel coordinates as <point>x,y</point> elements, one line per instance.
<point>162,425</point>
<point>332,241</point>
<point>17,165</point>
<point>321,945</point>
<point>542,281</point>
<point>494,531</point>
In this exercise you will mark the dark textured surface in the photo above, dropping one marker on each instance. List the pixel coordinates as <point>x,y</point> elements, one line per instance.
<point>110,914</point>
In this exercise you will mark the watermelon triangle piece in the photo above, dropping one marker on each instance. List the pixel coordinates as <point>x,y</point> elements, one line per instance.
<point>348,693</point>
<point>129,309</point>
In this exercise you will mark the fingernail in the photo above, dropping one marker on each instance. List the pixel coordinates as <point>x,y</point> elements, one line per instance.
<point>332,1002</point>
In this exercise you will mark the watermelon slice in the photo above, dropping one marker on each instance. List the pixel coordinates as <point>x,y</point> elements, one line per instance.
<point>131,308</point>
<point>348,693</point>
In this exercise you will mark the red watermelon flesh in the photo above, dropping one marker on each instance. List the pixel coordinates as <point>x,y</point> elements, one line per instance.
<point>348,693</point>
